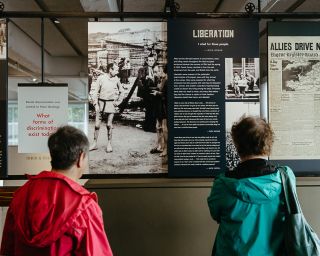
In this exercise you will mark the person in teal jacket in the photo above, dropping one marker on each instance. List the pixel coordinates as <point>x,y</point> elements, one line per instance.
<point>247,202</point>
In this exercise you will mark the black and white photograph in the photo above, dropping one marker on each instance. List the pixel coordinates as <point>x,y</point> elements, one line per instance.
<point>127,66</point>
<point>242,79</point>
<point>3,39</point>
<point>300,75</point>
<point>234,111</point>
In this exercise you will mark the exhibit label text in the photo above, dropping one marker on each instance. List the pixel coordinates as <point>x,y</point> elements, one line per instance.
<point>223,33</point>
<point>309,46</point>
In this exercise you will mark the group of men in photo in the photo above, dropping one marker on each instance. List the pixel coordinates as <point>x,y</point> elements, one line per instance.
<point>107,96</point>
<point>242,83</point>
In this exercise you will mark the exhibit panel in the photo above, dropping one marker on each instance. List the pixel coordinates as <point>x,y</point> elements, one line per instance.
<point>58,66</point>
<point>127,71</point>
<point>42,108</point>
<point>183,225</point>
<point>207,89</point>
<point>134,91</point>
<point>294,94</point>
<point>213,81</point>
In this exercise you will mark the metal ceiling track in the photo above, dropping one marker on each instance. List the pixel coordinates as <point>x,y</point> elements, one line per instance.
<point>161,15</point>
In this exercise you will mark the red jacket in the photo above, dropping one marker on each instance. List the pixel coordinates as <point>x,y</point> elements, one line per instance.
<point>53,215</point>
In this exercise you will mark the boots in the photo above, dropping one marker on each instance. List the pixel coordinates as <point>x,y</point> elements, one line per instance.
<point>109,147</point>
<point>94,145</point>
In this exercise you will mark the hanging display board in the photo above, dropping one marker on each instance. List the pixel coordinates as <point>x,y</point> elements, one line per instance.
<point>3,99</point>
<point>41,110</point>
<point>158,108</point>
<point>210,81</point>
<point>294,94</point>
<point>213,80</point>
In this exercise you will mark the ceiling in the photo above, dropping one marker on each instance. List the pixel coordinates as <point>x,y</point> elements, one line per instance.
<point>65,43</point>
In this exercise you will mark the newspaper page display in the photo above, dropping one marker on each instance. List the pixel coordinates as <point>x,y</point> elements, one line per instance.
<point>294,93</point>
<point>213,81</point>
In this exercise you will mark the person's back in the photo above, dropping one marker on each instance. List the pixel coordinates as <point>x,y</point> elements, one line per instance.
<point>52,214</point>
<point>247,202</point>
<point>250,213</point>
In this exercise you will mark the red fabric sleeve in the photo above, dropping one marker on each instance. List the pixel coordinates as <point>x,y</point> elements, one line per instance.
<point>90,233</point>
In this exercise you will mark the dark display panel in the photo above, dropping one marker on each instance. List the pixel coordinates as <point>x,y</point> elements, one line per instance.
<point>213,66</point>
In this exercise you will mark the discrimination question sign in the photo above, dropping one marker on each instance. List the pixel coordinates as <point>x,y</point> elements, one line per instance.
<point>42,108</point>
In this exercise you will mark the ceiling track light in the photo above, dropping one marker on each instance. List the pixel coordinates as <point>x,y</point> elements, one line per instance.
<point>171,7</point>
<point>55,20</point>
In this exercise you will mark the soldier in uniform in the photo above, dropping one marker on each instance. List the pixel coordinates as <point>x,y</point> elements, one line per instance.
<point>146,82</point>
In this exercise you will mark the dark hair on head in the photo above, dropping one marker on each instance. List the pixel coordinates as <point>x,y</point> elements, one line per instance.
<point>65,146</point>
<point>109,66</point>
<point>165,68</point>
<point>151,55</point>
<point>252,136</point>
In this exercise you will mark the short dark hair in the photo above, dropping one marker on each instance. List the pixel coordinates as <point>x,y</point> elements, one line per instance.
<point>252,136</point>
<point>109,66</point>
<point>65,146</point>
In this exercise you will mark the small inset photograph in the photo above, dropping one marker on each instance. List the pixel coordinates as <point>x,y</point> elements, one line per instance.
<point>3,40</point>
<point>234,111</point>
<point>242,79</point>
<point>300,75</point>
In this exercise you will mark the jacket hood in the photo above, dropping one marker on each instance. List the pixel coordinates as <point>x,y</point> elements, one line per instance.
<point>46,207</point>
<point>258,190</point>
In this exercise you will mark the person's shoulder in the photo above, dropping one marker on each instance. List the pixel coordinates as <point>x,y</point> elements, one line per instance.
<point>80,190</point>
<point>90,205</point>
<point>289,172</point>
<point>98,79</point>
<point>117,79</point>
<point>101,77</point>
<point>219,189</point>
<point>61,182</point>
<point>219,181</point>
<point>143,69</point>
<point>20,192</point>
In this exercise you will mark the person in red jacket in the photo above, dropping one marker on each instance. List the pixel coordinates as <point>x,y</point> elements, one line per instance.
<point>52,214</point>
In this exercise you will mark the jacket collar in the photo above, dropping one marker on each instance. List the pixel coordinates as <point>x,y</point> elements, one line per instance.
<point>57,176</point>
<point>251,168</point>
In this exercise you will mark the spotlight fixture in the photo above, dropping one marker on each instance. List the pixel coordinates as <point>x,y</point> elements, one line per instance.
<point>167,7</point>
<point>250,7</point>
<point>171,7</point>
<point>56,21</point>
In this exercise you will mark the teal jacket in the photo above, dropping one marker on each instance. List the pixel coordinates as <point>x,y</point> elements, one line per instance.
<point>251,215</point>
